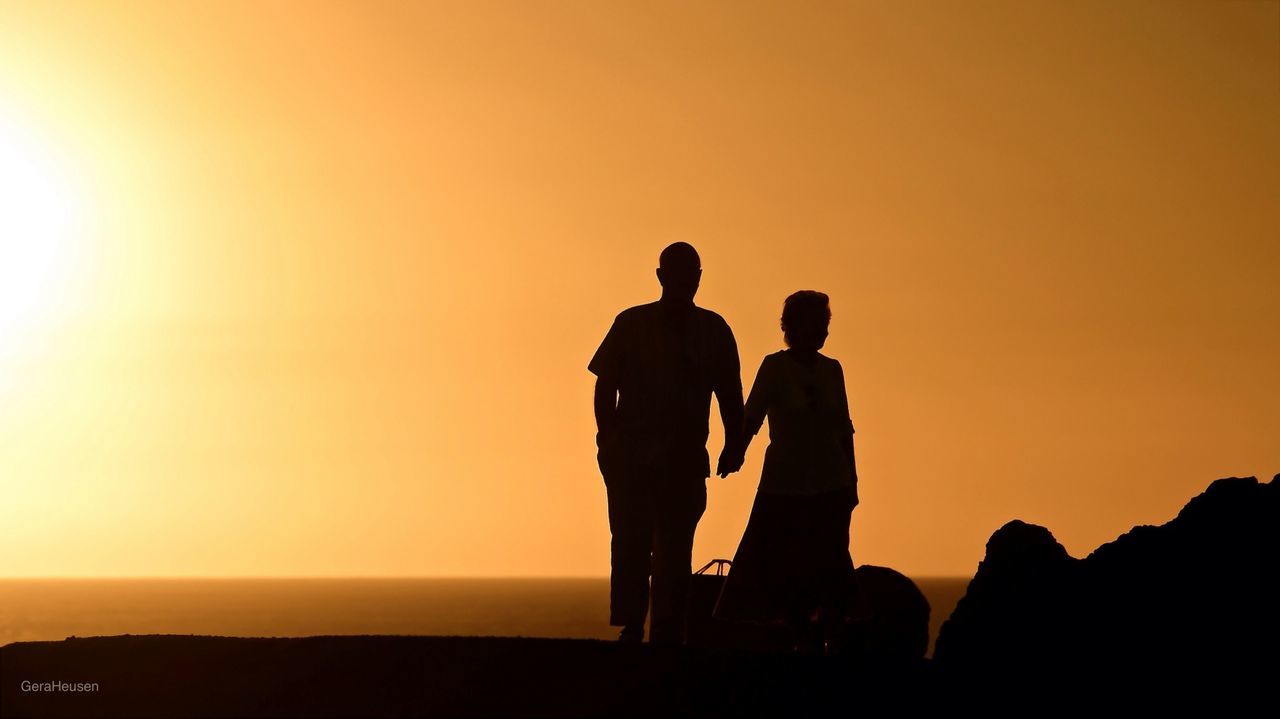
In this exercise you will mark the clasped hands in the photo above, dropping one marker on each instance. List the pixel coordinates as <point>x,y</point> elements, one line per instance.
<point>731,458</point>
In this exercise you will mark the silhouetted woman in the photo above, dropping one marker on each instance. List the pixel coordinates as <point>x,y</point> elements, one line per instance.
<point>793,563</point>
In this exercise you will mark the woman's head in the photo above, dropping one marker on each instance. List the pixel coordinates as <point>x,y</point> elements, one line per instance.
<point>805,318</point>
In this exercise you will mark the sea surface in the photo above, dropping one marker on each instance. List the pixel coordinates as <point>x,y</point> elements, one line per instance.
<point>53,609</point>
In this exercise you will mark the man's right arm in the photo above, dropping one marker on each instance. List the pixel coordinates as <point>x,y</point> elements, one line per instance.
<point>606,403</point>
<point>607,365</point>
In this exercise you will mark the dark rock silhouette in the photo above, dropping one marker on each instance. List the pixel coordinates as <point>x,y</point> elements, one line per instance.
<point>1193,599</point>
<point>1025,581</point>
<point>896,630</point>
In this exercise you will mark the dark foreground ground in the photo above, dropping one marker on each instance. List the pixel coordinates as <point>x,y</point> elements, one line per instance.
<point>198,676</point>
<point>1178,618</point>
<point>195,676</point>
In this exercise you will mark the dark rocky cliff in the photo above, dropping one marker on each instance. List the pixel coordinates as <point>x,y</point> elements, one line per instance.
<point>1193,598</point>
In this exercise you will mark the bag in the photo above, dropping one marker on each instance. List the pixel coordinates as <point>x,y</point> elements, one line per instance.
<point>704,630</point>
<point>704,590</point>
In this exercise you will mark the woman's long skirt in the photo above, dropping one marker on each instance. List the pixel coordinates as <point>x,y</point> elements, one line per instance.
<point>793,559</point>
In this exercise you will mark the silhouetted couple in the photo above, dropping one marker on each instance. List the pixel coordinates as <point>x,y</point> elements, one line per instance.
<point>656,370</point>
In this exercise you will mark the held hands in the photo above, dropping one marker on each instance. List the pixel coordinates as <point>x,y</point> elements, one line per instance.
<point>731,459</point>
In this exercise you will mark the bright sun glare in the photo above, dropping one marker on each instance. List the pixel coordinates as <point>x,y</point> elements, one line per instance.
<point>39,214</point>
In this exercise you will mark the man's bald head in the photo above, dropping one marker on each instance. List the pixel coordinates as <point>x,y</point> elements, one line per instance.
<point>680,256</point>
<point>679,271</point>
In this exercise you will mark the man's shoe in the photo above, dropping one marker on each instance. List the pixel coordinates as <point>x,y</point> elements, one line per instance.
<point>632,634</point>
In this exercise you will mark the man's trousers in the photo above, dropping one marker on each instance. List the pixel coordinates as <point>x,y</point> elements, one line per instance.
<point>653,513</point>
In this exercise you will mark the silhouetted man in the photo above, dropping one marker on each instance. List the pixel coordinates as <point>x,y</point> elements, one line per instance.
<point>655,372</point>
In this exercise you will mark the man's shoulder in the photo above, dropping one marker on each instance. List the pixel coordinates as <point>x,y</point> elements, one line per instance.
<point>649,311</point>
<point>702,314</point>
<point>712,318</point>
<point>637,311</point>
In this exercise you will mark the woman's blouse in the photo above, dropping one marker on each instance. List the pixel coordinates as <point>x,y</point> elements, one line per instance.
<point>809,422</point>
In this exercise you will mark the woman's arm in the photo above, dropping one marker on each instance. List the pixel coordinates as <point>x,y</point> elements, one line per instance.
<point>758,401</point>
<point>853,464</point>
<point>846,436</point>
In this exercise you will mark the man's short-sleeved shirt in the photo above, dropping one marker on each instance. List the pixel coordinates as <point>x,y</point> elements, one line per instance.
<point>666,365</point>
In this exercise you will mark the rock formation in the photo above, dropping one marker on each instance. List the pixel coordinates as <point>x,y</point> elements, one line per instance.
<point>894,624</point>
<point>1194,597</point>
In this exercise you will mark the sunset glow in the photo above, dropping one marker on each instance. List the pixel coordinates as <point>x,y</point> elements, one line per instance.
<point>39,212</point>
<point>347,263</point>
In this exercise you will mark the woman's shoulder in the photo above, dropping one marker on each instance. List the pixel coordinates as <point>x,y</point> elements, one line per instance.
<point>773,358</point>
<point>832,364</point>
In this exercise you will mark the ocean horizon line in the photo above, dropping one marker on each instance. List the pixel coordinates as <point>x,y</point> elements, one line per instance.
<point>348,577</point>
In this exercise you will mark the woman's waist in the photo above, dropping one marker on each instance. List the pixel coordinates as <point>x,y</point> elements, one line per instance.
<point>807,485</point>
<point>805,447</point>
<point>808,433</point>
<point>826,467</point>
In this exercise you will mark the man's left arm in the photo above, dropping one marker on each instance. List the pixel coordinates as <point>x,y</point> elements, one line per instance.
<point>728,391</point>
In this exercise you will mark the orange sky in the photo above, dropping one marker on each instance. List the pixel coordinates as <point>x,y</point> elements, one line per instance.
<point>339,267</point>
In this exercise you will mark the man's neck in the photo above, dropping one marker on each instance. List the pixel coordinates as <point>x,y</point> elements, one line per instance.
<point>674,305</point>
